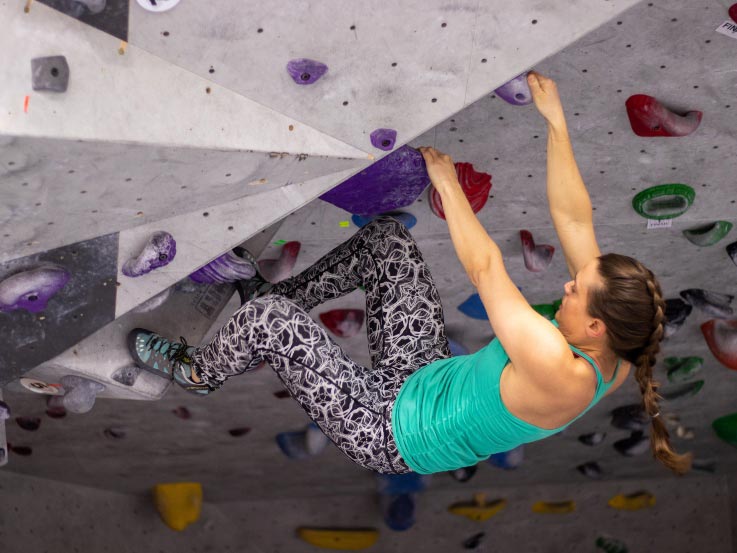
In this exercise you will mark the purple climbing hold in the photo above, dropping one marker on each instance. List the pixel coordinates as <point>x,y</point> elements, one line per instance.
<point>32,289</point>
<point>516,92</point>
<point>394,181</point>
<point>384,139</point>
<point>158,252</point>
<point>306,71</point>
<point>227,268</point>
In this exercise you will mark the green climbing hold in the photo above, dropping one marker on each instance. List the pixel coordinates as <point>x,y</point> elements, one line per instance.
<point>547,310</point>
<point>681,369</point>
<point>726,428</point>
<point>684,390</point>
<point>557,304</point>
<point>708,235</point>
<point>665,201</point>
<point>610,545</point>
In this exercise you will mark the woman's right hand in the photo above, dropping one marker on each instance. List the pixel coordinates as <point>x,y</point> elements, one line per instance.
<point>545,94</point>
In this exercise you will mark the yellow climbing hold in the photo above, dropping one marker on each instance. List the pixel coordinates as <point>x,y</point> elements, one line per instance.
<point>478,509</point>
<point>633,502</point>
<point>179,504</point>
<point>339,538</point>
<point>560,507</point>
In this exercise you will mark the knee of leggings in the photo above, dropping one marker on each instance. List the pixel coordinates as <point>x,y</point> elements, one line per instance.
<point>391,227</point>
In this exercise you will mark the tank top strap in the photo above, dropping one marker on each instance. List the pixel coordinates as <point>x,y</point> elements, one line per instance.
<point>601,383</point>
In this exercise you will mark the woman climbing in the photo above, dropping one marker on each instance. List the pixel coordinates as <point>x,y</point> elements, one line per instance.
<point>417,408</point>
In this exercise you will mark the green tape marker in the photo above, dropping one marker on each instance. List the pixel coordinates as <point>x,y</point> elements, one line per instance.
<point>665,201</point>
<point>280,242</point>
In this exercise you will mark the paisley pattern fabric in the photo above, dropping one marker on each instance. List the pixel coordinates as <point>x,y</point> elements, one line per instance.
<point>350,403</point>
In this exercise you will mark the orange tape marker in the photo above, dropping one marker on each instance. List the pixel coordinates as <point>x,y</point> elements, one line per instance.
<point>25,104</point>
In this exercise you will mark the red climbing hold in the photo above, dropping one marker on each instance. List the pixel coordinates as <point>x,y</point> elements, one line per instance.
<point>721,337</point>
<point>275,270</point>
<point>733,12</point>
<point>649,117</point>
<point>537,258</point>
<point>343,322</point>
<point>475,185</point>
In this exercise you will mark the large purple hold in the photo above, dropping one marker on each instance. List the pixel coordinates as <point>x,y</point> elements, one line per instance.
<point>226,268</point>
<point>516,92</point>
<point>158,251</point>
<point>32,289</point>
<point>305,71</point>
<point>384,139</point>
<point>391,183</point>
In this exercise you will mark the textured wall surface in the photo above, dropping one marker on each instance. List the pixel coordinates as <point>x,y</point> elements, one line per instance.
<point>238,140</point>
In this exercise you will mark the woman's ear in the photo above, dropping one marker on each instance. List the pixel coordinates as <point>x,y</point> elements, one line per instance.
<point>596,328</point>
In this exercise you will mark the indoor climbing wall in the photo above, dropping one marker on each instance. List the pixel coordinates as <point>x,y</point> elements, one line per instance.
<point>183,133</point>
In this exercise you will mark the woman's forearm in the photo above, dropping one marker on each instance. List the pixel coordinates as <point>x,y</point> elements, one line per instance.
<point>567,194</point>
<point>472,243</point>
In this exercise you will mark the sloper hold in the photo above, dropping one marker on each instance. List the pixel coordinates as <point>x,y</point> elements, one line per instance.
<point>676,312</point>
<point>343,322</point>
<point>732,252</point>
<point>648,117</point>
<point>632,502</point>
<point>229,267</point>
<point>479,509</point>
<point>159,251</point>
<point>384,139</point>
<point>726,428</point>
<point>592,439</point>
<point>32,289</point>
<point>347,539</point>
<point>681,369</point>
<point>179,504</point>
<point>537,258</point>
<point>475,185</point>
<point>554,508</point>
<point>50,74</point>
<point>711,303</point>
<point>664,201</point>
<point>684,390</point>
<point>636,444</point>
<point>306,71</point>
<point>407,219</point>
<point>393,182</point>
<point>79,394</point>
<point>708,235</point>
<point>721,337</point>
<point>630,417</point>
<point>275,270</point>
<point>516,92</point>
<point>474,308</point>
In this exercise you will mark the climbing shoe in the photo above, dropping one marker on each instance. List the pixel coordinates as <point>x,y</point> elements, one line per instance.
<point>165,358</point>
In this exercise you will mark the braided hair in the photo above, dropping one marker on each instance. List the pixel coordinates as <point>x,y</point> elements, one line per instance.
<point>631,304</point>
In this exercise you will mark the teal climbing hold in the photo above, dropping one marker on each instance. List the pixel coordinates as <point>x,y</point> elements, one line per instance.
<point>474,308</point>
<point>708,235</point>
<point>665,201</point>
<point>681,369</point>
<point>726,428</point>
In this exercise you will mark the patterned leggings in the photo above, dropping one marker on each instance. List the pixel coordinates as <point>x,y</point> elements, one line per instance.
<point>350,403</point>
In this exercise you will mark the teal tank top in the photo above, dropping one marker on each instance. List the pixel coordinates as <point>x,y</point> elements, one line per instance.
<point>449,414</point>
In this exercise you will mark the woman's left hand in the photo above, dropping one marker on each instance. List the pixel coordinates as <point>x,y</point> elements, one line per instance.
<point>440,168</point>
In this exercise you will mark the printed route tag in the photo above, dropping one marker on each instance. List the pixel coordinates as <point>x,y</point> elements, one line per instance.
<point>662,223</point>
<point>728,28</point>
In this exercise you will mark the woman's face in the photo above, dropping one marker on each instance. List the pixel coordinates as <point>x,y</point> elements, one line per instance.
<point>572,316</point>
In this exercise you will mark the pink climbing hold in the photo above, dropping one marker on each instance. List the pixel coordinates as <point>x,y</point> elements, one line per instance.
<point>343,322</point>
<point>721,337</point>
<point>537,258</point>
<point>733,12</point>
<point>275,270</point>
<point>475,185</point>
<point>649,117</point>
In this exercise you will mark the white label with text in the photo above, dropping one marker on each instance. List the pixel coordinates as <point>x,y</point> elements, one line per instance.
<point>728,28</point>
<point>662,223</point>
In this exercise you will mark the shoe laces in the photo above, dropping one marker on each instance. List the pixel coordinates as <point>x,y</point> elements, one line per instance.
<point>176,352</point>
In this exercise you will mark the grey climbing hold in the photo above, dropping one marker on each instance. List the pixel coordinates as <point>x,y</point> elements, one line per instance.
<point>32,289</point>
<point>592,470</point>
<point>80,394</point>
<point>711,303</point>
<point>50,74</point>
<point>94,6</point>
<point>158,252</point>
<point>126,375</point>
<point>4,411</point>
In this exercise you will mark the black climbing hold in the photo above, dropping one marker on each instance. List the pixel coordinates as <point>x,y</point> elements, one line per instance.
<point>630,417</point>
<point>114,433</point>
<point>28,423</point>
<point>50,74</point>
<point>464,474</point>
<point>474,541</point>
